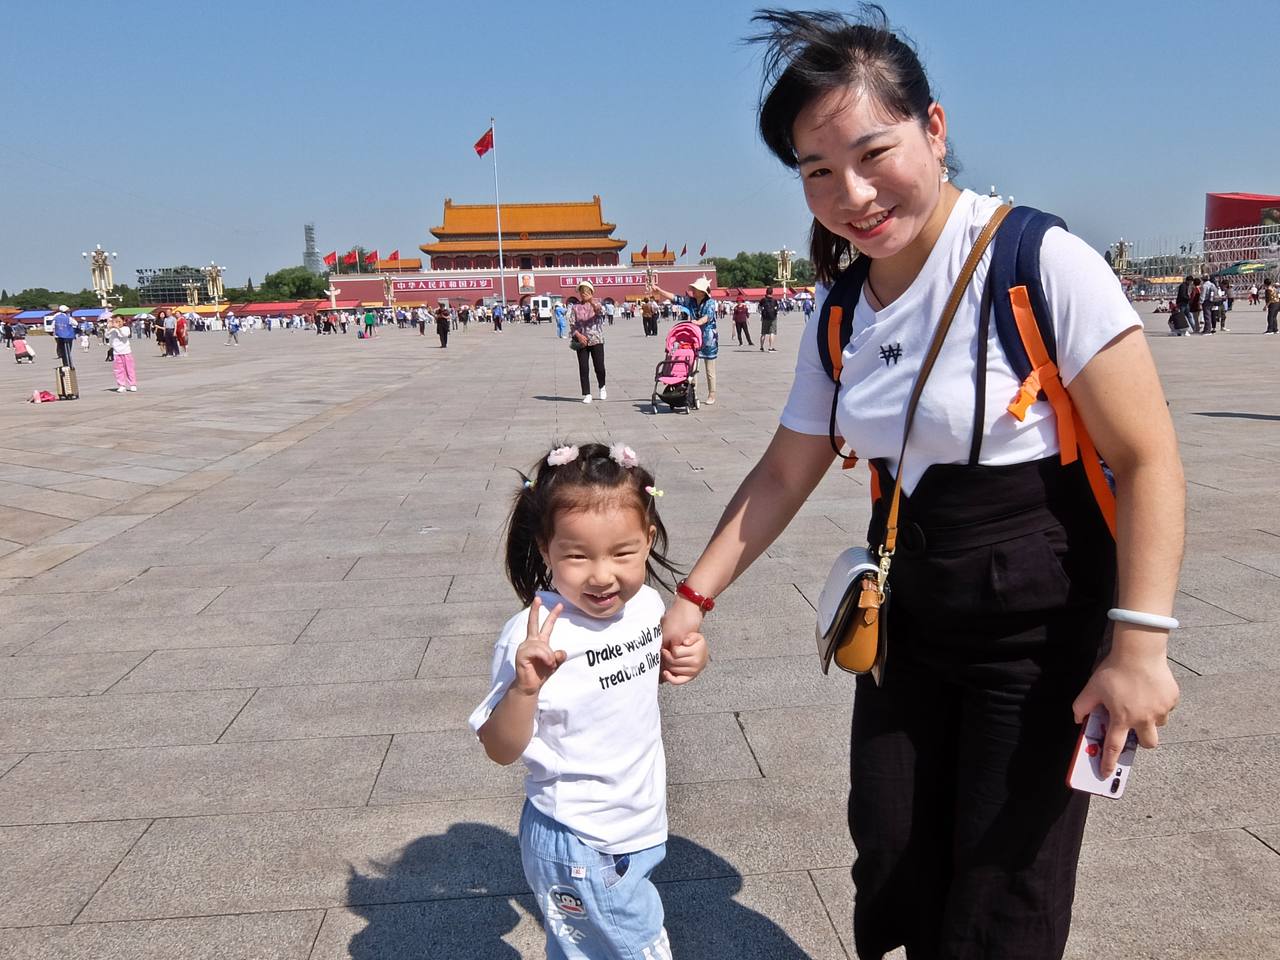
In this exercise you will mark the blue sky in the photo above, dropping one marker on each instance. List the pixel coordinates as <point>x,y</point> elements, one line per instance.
<point>181,132</point>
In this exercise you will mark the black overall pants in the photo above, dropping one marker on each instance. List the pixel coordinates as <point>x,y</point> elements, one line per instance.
<point>967,835</point>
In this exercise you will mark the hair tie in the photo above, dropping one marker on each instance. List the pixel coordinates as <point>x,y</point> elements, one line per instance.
<point>528,484</point>
<point>653,492</point>
<point>562,455</point>
<point>623,455</point>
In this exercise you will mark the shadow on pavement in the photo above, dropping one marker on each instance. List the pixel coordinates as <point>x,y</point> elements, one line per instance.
<point>455,895</point>
<point>1237,416</point>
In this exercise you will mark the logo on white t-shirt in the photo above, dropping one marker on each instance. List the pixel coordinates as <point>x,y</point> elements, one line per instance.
<point>891,353</point>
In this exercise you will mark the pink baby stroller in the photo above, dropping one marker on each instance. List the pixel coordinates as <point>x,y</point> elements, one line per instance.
<point>675,378</point>
<point>22,353</point>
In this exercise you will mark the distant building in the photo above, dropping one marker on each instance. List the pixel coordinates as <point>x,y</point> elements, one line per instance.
<point>167,285</point>
<point>534,235</point>
<point>310,255</point>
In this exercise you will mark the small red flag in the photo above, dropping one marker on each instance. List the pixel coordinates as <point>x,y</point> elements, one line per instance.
<point>331,259</point>
<point>371,256</point>
<point>644,252</point>
<point>664,251</point>
<point>394,255</point>
<point>485,143</point>
<point>703,251</point>
<point>350,258</point>
<point>684,250</point>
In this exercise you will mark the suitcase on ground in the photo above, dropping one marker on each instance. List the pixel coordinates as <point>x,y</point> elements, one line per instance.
<point>66,385</point>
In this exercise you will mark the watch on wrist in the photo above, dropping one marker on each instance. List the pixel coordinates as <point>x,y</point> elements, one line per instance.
<point>705,604</point>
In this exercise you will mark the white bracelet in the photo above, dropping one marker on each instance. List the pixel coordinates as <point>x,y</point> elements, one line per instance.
<point>1138,618</point>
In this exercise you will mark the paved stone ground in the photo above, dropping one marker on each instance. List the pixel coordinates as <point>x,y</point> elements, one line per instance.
<point>245,612</point>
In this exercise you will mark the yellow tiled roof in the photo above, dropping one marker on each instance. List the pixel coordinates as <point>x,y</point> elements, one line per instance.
<point>517,218</point>
<point>513,245</point>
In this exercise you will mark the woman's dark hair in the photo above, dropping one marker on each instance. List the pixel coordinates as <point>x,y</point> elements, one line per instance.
<point>810,53</point>
<point>593,479</point>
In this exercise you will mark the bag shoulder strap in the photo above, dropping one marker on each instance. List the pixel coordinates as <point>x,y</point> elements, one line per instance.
<point>935,347</point>
<point>835,321</point>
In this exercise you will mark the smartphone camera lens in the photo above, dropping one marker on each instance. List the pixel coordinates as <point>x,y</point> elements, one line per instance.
<point>1115,785</point>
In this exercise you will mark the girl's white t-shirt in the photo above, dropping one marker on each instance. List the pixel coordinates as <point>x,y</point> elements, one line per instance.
<point>884,354</point>
<point>118,339</point>
<point>596,763</point>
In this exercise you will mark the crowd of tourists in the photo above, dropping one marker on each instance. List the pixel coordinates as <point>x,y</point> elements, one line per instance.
<point>1202,304</point>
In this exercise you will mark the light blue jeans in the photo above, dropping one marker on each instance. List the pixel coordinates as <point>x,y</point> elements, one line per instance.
<point>595,906</point>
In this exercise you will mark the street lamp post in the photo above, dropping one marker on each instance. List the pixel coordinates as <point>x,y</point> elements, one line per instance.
<point>784,258</point>
<point>213,287</point>
<point>100,270</point>
<point>389,295</point>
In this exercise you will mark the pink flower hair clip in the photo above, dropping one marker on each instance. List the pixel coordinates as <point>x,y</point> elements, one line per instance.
<point>623,455</point>
<point>562,455</point>
<point>653,492</point>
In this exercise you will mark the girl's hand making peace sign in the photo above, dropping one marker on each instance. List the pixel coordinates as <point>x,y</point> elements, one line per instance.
<point>535,660</point>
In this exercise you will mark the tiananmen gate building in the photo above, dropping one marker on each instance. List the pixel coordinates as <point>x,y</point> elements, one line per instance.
<point>547,249</point>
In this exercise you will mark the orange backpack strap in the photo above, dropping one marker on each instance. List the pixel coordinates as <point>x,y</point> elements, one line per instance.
<point>834,328</point>
<point>1073,439</point>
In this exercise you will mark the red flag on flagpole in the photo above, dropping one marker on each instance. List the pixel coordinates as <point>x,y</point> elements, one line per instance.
<point>703,251</point>
<point>684,250</point>
<point>394,255</point>
<point>350,258</point>
<point>371,256</point>
<point>664,251</point>
<point>331,259</point>
<point>644,252</point>
<point>485,143</point>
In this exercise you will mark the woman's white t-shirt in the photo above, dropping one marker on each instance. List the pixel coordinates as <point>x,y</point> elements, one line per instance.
<point>884,354</point>
<point>596,763</point>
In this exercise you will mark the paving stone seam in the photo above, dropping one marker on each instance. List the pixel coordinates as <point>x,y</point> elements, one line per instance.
<point>817,892</point>
<point>1184,666</point>
<point>1231,613</point>
<point>1261,841</point>
<point>218,738</point>
<point>737,717</point>
<point>111,873</point>
<point>304,629</point>
<point>15,766</point>
<point>196,916</point>
<point>381,763</point>
<point>126,676</point>
<point>1220,828</point>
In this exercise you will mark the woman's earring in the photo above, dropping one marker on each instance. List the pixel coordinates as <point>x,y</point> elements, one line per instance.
<point>946,174</point>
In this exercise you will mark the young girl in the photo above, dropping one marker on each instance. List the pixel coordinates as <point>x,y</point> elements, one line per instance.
<point>575,696</point>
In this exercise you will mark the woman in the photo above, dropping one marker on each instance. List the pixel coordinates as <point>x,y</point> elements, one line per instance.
<point>586,328</point>
<point>967,836</point>
<point>159,324</point>
<point>180,334</point>
<point>442,324</point>
<point>702,311</point>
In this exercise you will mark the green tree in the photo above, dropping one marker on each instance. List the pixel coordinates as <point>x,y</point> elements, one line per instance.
<point>293,283</point>
<point>802,272</point>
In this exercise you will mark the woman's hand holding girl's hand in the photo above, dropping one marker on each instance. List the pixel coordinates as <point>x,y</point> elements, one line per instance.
<point>684,659</point>
<point>535,660</point>
<point>684,649</point>
<point>1136,686</point>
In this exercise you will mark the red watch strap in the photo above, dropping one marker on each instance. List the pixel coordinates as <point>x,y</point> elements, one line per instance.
<point>705,604</point>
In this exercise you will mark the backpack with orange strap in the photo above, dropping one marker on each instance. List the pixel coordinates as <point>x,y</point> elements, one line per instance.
<point>1026,334</point>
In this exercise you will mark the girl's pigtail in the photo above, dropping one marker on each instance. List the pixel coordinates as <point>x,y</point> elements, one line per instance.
<point>525,568</point>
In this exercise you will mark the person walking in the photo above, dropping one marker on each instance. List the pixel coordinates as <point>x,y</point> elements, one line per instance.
<point>649,317</point>
<point>442,325</point>
<point>1208,305</point>
<point>370,320</point>
<point>120,342</point>
<point>586,327</point>
<point>1004,579</point>
<point>64,331</point>
<point>233,330</point>
<point>768,320</point>
<point>559,312</point>
<point>702,311</point>
<point>85,329</point>
<point>170,335</point>
<point>740,316</point>
<point>497,317</point>
<point>1271,299</point>
<point>181,329</point>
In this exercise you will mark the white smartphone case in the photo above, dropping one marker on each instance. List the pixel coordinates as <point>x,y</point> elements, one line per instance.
<point>1085,773</point>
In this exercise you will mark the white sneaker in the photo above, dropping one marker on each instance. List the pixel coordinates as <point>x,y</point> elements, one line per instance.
<point>133,389</point>
<point>604,394</point>
<point>586,398</point>
<point>119,389</point>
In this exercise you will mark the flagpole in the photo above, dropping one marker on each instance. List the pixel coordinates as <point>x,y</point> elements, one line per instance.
<point>497,205</point>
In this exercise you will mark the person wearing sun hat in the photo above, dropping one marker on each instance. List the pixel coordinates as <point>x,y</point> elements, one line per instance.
<point>586,336</point>
<point>702,311</point>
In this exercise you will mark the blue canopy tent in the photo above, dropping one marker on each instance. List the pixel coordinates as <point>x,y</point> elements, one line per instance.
<point>28,315</point>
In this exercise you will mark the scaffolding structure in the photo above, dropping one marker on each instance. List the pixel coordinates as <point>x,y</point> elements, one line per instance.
<point>1155,270</point>
<point>167,285</point>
